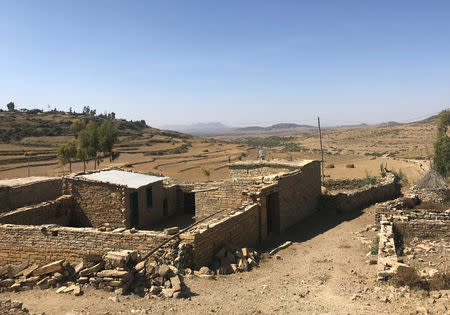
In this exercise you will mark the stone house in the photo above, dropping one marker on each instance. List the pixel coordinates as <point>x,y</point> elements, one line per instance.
<point>121,198</point>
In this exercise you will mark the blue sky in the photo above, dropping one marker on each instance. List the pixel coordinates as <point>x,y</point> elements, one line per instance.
<point>238,62</point>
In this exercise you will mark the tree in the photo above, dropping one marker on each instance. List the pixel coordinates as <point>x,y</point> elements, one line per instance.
<point>107,136</point>
<point>10,106</point>
<point>441,159</point>
<point>88,143</point>
<point>76,127</point>
<point>67,152</point>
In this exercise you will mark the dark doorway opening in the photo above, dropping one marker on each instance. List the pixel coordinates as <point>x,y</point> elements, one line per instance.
<point>165,208</point>
<point>134,209</point>
<point>189,203</point>
<point>273,213</point>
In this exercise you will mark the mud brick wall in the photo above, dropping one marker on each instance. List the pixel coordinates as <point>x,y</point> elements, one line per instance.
<point>240,229</point>
<point>299,194</point>
<point>13,197</point>
<point>422,229</point>
<point>343,202</point>
<point>100,202</point>
<point>218,196</point>
<point>59,211</point>
<point>20,243</point>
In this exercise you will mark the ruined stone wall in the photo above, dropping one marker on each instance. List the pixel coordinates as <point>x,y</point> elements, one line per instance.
<point>240,229</point>
<point>363,197</point>
<point>20,243</point>
<point>59,211</point>
<point>100,202</point>
<point>13,197</point>
<point>422,229</point>
<point>299,194</point>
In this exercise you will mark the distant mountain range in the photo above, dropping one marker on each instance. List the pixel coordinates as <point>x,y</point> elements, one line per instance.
<point>199,128</point>
<point>219,129</point>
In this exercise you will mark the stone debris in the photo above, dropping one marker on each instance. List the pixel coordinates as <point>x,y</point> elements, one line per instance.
<point>8,307</point>
<point>119,271</point>
<point>230,259</point>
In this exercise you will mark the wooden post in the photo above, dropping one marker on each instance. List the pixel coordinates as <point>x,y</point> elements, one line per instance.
<point>321,149</point>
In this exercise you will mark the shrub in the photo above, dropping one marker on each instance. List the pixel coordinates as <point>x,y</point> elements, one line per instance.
<point>399,176</point>
<point>408,276</point>
<point>441,159</point>
<point>206,172</point>
<point>375,244</point>
<point>369,180</point>
<point>383,170</point>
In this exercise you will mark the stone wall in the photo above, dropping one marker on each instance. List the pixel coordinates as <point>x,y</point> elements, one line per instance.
<point>13,197</point>
<point>213,197</point>
<point>363,197</point>
<point>20,243</point>
<point>59,211</point>
<point>100,202</point>
<point>422,229</point>
<point>299,194</point>
<point>260,168</point>
<point>240,229</point>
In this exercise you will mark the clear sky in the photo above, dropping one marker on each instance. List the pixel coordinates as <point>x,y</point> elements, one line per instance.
<point>238,62</point>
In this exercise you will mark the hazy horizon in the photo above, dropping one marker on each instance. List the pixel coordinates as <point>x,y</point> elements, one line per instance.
<point>239,63</point>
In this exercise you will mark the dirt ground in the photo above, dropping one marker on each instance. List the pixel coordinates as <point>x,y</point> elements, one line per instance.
<point>323,272</point>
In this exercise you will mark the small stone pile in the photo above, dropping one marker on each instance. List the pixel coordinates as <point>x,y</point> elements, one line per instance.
<point>121,272</point>
<point>115,271</point>
<point>25,276</point>
<point>164,280</point>
<point>8,307</point>
<point>230,259</point>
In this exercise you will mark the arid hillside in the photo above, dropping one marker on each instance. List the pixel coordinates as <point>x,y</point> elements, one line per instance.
<point>30,140</point>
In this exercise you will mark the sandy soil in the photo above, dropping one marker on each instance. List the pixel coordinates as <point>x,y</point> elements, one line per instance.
<point>324,271</point>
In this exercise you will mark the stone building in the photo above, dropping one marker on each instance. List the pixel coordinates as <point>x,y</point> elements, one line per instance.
<point>94,212</point>
<point>121,198</point>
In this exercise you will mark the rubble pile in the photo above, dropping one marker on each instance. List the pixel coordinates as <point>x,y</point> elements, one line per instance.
<point>8,307</point>
<point>230,259</point>
<point>121,272</point>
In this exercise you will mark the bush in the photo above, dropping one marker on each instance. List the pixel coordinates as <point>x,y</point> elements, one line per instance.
<point>375,244</point>
<point>369,180</point>
<point>408,276</point>
<point>383,170</point>
<point>441,159</point>
<point>399,176</point>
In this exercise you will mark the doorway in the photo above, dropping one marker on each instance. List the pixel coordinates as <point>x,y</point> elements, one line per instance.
<point>273,213</point>
<point>189,203</point>
<point>134,209</point>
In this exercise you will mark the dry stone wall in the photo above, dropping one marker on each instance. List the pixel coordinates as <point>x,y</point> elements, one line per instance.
<point>59,211</point>
<point>41,244</point>
<point>239,229</point>
<point>360,198</point>
<point>100,202</point>
<point>299,194</point>
<point>213,197</point>
<point>422,229</point>
<point>13,197</point>
<point>263,168</point>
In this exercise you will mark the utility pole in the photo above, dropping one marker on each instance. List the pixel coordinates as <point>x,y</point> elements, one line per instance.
<point>321,149</point>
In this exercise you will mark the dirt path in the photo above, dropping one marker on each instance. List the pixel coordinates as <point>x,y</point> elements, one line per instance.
<point>324,271</point>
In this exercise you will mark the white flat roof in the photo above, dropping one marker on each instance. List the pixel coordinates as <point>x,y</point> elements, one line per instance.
<point>118,177</point>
